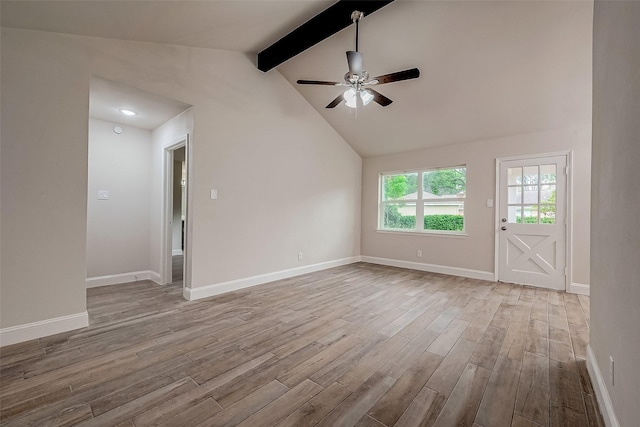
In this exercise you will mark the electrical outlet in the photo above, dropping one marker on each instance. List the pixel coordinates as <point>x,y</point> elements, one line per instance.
<point>419,253</point>
<point>611,375</point>
<point>299,256</point>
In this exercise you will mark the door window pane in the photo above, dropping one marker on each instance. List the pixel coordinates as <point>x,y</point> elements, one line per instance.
<point>515,195</point>
<point>529,215</point>
<point>514,214</point>
<point>547,214</point>
<point>531,194</point>
<point>548,194</point>
<point>530,175</point>
<point>547,174</point>
<point>514,176</point>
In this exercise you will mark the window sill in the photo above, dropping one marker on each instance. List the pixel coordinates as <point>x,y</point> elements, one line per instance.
<point>455,235</point>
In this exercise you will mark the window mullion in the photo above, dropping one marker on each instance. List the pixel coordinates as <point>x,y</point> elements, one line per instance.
<point>420,205</point>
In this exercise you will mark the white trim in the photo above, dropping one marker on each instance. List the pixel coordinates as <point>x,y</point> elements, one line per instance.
<point>234,285</point>
<point>443,269</point>
<point>602,395</point>
<point>43,328</point>
<point>167,211</point>
<point>155,277</point>
<point>176,252</point>
<point>496,225</point>
<point>579,288</point>
<point>430,233</point>
<point>116,279</point>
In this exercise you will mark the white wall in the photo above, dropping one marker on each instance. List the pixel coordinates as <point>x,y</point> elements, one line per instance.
<point>254,138</point>
<point>615,271</point>
<point>476,251</point>
<point>44,183</point>
<point>118,229</point>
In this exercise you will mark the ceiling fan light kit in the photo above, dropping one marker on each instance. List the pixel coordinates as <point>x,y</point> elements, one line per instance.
<point>353,98</point>
<point>357,80</point>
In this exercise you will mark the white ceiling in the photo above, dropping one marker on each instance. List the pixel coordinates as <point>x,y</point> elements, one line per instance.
<point>238,25</point>
<point>489,69</point>
<point>106,98</point>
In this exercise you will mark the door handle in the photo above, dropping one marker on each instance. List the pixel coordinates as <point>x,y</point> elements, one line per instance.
<point>503,228</point>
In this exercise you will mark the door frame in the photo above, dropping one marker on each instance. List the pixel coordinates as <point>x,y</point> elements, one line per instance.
<point>167,212</point>
<point>568,212</point>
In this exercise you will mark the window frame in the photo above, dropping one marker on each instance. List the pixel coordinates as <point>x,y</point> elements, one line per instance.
<point>419,203</point>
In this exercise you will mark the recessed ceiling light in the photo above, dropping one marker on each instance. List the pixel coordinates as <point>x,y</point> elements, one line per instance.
<point>127,112</point>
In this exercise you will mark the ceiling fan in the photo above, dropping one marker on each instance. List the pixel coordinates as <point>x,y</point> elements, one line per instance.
<point>357,80</point>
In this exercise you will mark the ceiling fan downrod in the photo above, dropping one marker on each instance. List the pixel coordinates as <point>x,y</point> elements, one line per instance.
<point>356,16</point>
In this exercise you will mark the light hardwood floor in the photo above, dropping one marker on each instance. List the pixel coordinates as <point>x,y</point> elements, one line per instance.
<point>360,345</point>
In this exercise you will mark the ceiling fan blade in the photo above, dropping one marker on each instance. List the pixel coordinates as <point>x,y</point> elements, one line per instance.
<point>380,98</point>
<point>413,73</point>
<point>317,82</point>
<point>354,59</point>
<point>336,101</point>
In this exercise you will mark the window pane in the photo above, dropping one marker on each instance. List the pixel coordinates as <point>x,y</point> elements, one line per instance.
<point>514,175</point>
<point>515,195</point>
<point>529,215</point>
<point>444,216</point>
<point>530,175</point>
<point>548,194</point>
<point>531,194</point>
<point>399,216</point>
<point>398,187</point>
<point>443,183</point>
<point>547,214</point>
<point>547,174</point>
<point>514,214</point>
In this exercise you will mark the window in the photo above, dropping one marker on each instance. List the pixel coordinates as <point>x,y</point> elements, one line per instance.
<point>532,194</point>
<point>435,195</point>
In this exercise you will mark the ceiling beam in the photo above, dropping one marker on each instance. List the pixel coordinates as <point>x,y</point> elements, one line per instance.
<point>318,28</point>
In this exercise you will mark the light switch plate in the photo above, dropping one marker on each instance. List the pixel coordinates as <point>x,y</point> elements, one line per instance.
<point>214,194</point>
<point>489,203</point>
<point>103,194</point>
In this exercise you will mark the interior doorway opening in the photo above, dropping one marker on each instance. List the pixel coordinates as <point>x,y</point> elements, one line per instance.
<point>176,189</point>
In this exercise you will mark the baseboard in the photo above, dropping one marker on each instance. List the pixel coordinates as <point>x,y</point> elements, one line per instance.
<point>155,277</point>
<point>234,285</point>
<point>176,252</point>
<point>116,279</point>
<point>579,288</point>
<point>602,394</point>
<point>43,328</point>
<point>432,268</point>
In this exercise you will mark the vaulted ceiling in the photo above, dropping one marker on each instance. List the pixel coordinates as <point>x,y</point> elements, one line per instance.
<point>488,69</point>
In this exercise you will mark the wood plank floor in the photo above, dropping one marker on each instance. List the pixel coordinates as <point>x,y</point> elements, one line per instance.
<point>359,345</point>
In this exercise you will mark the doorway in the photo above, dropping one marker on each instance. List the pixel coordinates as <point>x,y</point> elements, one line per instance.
<point>532,221</point>
<point>176,190</point>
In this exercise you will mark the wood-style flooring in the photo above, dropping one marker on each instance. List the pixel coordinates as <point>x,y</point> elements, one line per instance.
<point>359,345</point>
<point>177,266</point>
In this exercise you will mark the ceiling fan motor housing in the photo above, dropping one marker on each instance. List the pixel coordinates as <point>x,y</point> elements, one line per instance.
<point>360,91</point>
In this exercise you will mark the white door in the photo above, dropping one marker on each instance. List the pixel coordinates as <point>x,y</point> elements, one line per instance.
<point>532,224</point>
